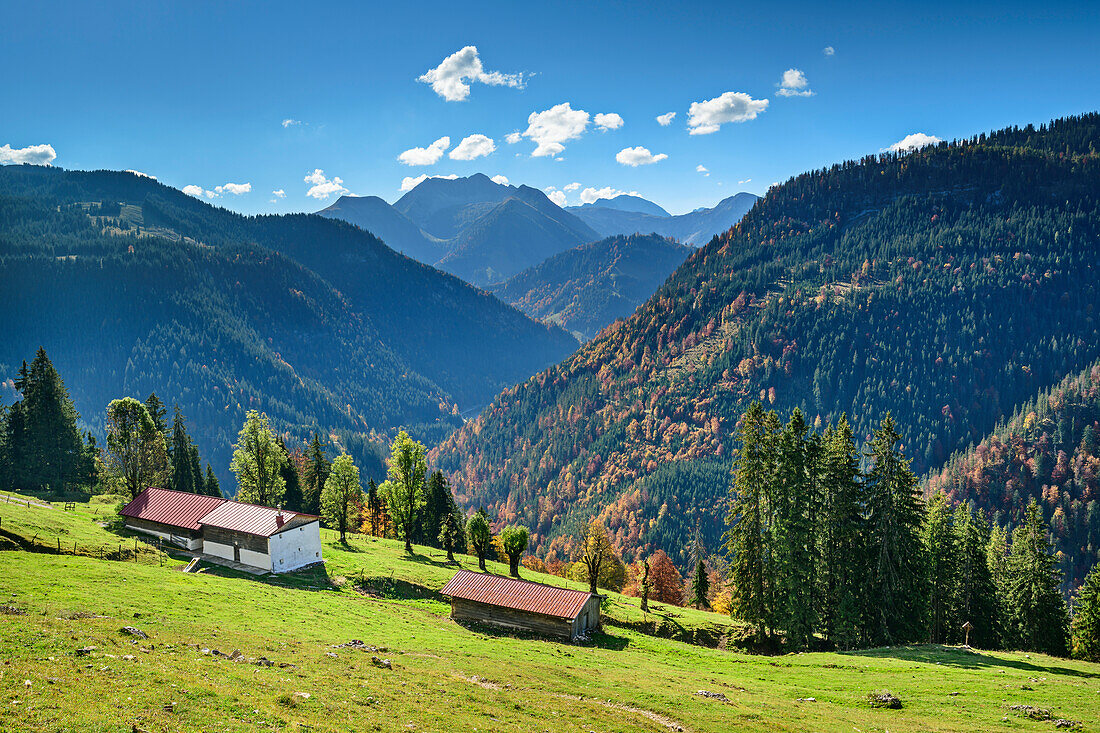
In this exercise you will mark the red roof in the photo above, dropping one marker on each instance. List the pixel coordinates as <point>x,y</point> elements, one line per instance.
<point>252,518</point>
<point>522,595</point>
<point>175,508</point>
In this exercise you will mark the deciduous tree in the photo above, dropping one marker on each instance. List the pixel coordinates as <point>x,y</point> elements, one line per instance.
<point>258,460</point>
<point>136,453</point>
<point>514,540</point>
<point>342,497</point>
<point>404,485</point>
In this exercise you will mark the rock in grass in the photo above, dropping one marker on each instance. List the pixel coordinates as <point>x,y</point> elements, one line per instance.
<point>133,632</point>
<point>1029,711</point>
<point>1068,724</point>
<point>383,663</point>
<point>713,695</point>
<point>884,699</point>
<point>85,651</point>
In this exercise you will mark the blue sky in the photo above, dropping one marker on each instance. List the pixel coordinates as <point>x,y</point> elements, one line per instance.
<point>196,93</point>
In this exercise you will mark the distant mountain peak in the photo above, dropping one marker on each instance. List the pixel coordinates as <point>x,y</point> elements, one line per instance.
<point>627,202</point>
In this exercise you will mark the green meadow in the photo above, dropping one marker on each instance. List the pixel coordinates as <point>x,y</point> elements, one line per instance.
<point>229,652</point>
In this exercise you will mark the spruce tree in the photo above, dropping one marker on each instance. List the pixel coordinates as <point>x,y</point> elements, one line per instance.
<point>159,413</point>
<point>438,505</point>
<point>292,494</point>
<point>317,468</point>
<point>941,551</point>
<point>211,484</point>
<point>1038,618</point>
<point>1086,618</point>
<point>894,518</point>
<point>449,535</point>
<point>179,452</point>
<point>700,585</point>
<point>747,523</point>
<point>975,595</point>
<point>374,509</point>
<point>792,534</point>
<point>52,449</point>
<point>842,577</point>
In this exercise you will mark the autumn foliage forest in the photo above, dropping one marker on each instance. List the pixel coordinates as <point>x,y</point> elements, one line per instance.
<point>946,286</point>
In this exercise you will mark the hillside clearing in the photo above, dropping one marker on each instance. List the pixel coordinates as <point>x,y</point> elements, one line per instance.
<point>203,668</point>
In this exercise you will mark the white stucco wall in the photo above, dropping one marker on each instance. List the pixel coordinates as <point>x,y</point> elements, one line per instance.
<point>217,550</point>
<point>296,548</point>
<point>256,559</point>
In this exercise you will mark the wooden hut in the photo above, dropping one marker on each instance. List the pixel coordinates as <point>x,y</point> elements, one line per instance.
<point>522,604</point>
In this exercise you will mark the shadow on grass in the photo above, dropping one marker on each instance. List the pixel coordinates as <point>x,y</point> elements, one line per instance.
<point>966,659</point>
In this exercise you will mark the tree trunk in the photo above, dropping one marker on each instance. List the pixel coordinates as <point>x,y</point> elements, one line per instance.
<point>481,563</point>
<point>450,554</point>
<point>408,545</point>
<point>514,563</point>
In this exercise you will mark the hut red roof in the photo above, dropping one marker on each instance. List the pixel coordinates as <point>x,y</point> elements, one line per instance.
<point>522,595</point>
<point>174,508</point>
<point>253,519</point>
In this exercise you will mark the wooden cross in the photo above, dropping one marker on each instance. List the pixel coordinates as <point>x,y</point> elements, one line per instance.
<point>966,627</point>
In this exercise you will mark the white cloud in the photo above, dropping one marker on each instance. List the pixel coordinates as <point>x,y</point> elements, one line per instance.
<point>408,183</point>
<point>193,190</point>
<point>635,157</point>
<point>747,180</point>
<point>794,84</point>
<point>234,188</point>
<point>702,169</point>
<point>666,119</point>
<point>473,146</point>
<point>571,186</point>
<point>558,197</point>
<point>139,173</point>
<point>550,128</point>
<point>502,180</point>
<point>608,121</point>
<point>513,137</point>
<point>426,156</point>
<point>322,187</point>
<point>828,51</point>
<point>449,79</point>
<point>33,154</point>
<point>913,142</point>
<point>279,193</point>
<point>590,195</point>
<point>707,116</point>
<point>288,122</point>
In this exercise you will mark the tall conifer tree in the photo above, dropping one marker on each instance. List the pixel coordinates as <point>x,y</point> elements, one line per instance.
<point>747,521</point>
<point>1037,611</point>
<point>894,518</point>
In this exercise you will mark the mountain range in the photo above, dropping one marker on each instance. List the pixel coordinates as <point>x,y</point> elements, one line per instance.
<point>486,232</point>
<point>133,287</point>
<point>586,288</point>
<point>483,232</point>
<point>630,215</point>
<point>946,285</point>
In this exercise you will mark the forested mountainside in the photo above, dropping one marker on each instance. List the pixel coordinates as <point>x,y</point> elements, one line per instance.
<point>945,285</point>
<point>612,216</point>
<point>588,287</point>
<point>1049,450</point>
<point>482,231</point>
<point>133,287</point>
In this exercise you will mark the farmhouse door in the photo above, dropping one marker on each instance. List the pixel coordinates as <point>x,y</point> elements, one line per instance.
<point>236,552</point>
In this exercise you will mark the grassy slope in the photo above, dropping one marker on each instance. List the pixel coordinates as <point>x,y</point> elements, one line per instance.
<point>520,682</point>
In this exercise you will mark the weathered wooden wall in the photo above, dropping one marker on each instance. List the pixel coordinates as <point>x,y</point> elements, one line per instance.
<point>463,610</point>
<point>241,539</point>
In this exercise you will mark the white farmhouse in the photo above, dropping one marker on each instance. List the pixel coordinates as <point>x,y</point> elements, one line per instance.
<point>258,536</point>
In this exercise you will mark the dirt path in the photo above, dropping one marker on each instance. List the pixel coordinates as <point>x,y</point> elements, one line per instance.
<point>662,720</point>
<point>657,718</point>
<point>11,499</point>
